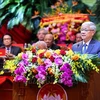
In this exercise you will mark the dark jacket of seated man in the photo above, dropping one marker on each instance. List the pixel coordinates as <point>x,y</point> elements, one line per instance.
<point>54,47</point>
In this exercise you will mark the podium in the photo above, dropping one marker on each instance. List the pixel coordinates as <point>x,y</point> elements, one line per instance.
<point>80,91</point>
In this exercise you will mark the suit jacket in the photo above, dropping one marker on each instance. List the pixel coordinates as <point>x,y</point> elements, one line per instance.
<point>93,47</point>
<point>54,47</point>
<point>14,50</point>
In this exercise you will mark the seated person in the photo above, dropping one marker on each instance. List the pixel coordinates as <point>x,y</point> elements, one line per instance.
<point>11,51</point>
<point>78,37</point>
<point>40,45</point>
<point>40,35</point>
<point>49,40</point>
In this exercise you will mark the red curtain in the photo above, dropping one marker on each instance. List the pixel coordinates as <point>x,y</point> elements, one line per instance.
<point>20,33</point>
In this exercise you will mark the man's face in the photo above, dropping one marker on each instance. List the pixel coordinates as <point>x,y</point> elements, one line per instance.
<point>78,37</point>
<point>41,35</point>
<point>86,33</point>
<point>48,39</point>
<point>7,40</point>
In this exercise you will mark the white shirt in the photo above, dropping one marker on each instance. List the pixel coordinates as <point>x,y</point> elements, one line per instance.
<point>8,49</point>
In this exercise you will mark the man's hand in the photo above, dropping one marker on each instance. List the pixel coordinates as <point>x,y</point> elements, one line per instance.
<point>8,55</point>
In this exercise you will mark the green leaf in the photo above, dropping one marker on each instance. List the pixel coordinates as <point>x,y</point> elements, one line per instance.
<point>28,12</point>
<point>81,78</point>
<point>20,13</point>
<point>12,22</point>
<point>3,17</point>
<point>12,8</point>
<point>89,2</point>
<point>32,1</point>
<point>3,4</point>
<point>19,1</point>
<point>1,1</point>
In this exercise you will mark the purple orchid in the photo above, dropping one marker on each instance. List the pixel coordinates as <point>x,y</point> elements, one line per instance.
<point>20,78</point>
<point>47,63</point>
<point>66,79</point>
<point>21,64</point>
<point>25,56</point>
<point>58,61</point>
<point>41,73</point>
<point>26,62</point>
<point>40,76</point>
<point>65,67</point>
<point>20,71</point>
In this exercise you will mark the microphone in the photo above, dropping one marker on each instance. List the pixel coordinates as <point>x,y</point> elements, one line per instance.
<point>2,47</point>
<point>78,45</point>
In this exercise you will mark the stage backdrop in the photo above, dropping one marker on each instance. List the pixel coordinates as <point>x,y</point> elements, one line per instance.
<point>20,33</point>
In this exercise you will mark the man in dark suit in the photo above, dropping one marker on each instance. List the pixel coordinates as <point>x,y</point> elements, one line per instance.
<point>11,51</point>
<point>88,45</point>
<point>50,42</point>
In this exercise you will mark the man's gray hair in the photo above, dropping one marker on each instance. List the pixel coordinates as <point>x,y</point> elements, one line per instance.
<point>44,31</point>
<point>91,25</point>
<point>41,44</point>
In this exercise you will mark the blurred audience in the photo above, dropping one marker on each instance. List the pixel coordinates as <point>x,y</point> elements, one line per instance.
<point>49,40</point>
<point>78,37</point>
<point>40,35</point>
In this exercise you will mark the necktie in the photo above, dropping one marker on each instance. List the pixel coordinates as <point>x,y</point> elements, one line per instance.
<point>84,48</point>
<point>8,50</point>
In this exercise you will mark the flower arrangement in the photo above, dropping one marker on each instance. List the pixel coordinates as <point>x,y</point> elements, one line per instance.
<point>60,8</point>
<point>64,27</point>
<point>57,66</point>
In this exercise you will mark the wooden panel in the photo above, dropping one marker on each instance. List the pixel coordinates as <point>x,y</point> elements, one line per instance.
<point>80,91</point>
<point>22,92</point>
<point>6,90</point>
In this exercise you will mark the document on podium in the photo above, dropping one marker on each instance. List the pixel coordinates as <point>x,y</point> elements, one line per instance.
<point>2,53</point>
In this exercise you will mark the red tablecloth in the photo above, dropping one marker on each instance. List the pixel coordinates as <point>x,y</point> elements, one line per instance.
<point>4,78</point>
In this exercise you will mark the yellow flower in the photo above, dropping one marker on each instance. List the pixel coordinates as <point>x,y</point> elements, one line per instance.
<point>40,62</point>
<point>70,52</point>
<point>20,55</point>
<point>75,57</point>
<point>40,51</point>
<point>97,70</point>
<point>67,37</point>
<point>55,36</point>
<point>13,68</point>
<point>47,54</point>
<point>1,72</point>
<point>57,52</point>
<point>50,71</point>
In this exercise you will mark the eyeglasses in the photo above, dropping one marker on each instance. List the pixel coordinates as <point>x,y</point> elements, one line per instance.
<point>86,30</point>
<point>7,39</point>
